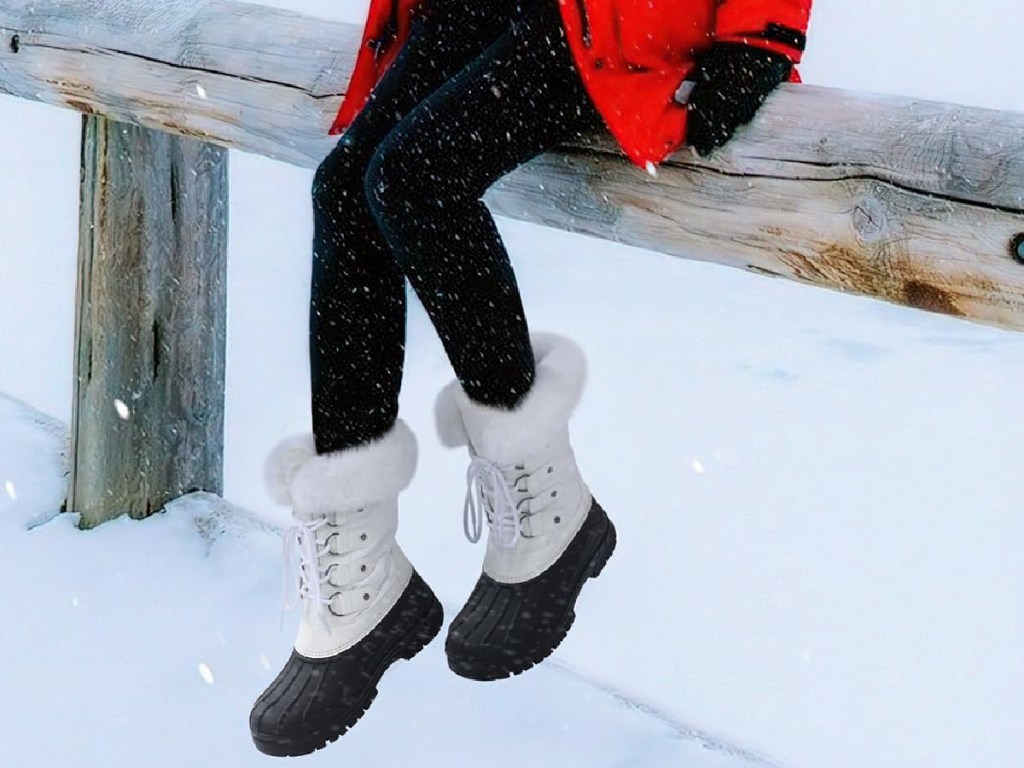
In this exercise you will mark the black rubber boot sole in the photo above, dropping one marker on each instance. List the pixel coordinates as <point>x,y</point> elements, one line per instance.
<point>506,629</point>
<point>306,685</point>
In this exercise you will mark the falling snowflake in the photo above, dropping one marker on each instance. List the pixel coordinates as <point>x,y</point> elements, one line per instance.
<point>9,487</point>
<point>201,91</point>
<point>652,169</point>
<point>122,410</point>
<point>698,467</point>
<point>206,674</point>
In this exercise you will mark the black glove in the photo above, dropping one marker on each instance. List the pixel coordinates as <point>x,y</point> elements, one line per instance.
<point>732,82</point>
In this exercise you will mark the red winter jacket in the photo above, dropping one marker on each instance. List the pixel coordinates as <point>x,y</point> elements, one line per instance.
<point>631,54</point>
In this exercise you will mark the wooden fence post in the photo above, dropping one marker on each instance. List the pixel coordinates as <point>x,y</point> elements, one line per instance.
<point>151,313</point>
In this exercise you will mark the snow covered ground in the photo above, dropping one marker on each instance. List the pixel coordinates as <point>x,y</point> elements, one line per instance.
<point>144,643</point>
<point>818,496</point>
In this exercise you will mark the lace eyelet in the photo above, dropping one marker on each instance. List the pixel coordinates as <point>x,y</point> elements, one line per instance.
<point>550,470</point>
<point>330,606</point>
<point>553,494</point>
<point>362,537</point>
<point>366,596</point>
<point>362,568</point>
<point>520,466</point>
<point>557,519</point>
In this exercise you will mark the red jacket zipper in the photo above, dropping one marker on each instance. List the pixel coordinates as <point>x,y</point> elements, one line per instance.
<point>585,21</point>
<point>382,43</point>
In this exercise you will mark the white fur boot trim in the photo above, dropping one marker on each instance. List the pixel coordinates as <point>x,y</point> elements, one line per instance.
<point>505,436</point>
<point>314,485</point>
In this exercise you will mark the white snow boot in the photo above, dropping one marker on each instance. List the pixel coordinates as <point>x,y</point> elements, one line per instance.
<point>547,534</point>
<point>364,607</point>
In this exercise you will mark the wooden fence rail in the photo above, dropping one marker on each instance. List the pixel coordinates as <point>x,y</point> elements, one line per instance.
<point>909,201</point>
<point>914,202</point>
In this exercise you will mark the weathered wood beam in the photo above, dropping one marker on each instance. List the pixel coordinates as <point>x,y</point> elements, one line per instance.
<point>914,202</point>
<point>244,76</point>
<point>150,329</point>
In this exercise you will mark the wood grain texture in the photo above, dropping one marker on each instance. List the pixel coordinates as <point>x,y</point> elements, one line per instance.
<point>909,201</point>
<point>240,75</point>
<point>150,336</point>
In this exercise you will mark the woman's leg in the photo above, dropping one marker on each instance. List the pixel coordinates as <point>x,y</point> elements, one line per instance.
<point>357,312</point>
<point>363,604</point>
<point>425,181</point>
<point>548,534</point>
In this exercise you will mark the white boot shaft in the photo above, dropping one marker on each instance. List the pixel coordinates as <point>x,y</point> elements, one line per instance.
<point>351,571</point>
<point>532,517</point>
<point>523,478</point>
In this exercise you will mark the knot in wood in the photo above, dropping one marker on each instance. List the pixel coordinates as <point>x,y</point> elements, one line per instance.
<point>870,221</point>
<point>1017,248</point>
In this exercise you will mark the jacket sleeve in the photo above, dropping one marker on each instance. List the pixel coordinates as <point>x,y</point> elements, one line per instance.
<point>777,25</point>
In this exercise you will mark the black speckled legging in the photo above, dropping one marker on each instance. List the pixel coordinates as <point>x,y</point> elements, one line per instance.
<point>478,89</point>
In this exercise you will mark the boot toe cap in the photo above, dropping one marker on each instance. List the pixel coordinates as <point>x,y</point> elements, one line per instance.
<point>312,702</point>
<point>502,632</point>
<point>507,628</point>
<point>308,699</point>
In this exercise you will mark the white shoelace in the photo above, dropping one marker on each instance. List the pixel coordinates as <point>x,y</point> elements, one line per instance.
<point>491,492</point>
<point>301,538</point>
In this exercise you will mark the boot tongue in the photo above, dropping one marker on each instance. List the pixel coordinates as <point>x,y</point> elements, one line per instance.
<point>496,434</point>
<point>510,436</point>
<point>490,499</point>
<point>303,516</point>
<point>506,438</point>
